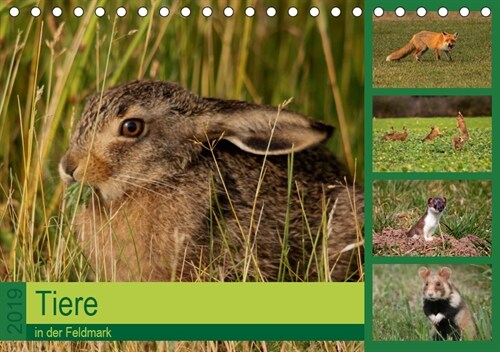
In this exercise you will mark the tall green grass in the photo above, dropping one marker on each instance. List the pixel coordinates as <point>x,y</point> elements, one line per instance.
<point>49,65</point>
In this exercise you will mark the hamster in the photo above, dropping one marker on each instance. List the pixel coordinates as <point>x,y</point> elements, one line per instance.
<point>448,312</point>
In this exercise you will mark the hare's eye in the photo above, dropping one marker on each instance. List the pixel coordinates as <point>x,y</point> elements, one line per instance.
<point>132,128</point>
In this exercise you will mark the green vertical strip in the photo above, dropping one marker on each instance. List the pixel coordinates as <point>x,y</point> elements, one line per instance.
<point>13,311</point>
<point>370,176</point>
<point>194,332</point>
<point>368,107</point>
<point>179,303</point>
<point>495,168</point>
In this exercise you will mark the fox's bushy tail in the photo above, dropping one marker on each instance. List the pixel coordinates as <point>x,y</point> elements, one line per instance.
<point>401,53</point>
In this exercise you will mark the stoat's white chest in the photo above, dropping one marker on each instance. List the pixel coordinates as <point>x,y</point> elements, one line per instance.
<point>431,222</point>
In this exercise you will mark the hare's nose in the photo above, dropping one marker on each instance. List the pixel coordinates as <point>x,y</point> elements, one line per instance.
<point>67,170</point>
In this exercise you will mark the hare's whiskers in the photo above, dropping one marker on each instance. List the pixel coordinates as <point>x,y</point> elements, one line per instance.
<point>154,182</point>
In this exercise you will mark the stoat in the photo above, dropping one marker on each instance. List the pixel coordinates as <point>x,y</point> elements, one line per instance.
<point>428,223</point>
<point>444,306</point>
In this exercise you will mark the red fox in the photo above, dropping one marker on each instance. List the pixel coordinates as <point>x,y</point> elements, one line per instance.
<point>424,40</point>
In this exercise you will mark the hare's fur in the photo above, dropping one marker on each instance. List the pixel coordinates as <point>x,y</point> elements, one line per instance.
<point>180,202</point>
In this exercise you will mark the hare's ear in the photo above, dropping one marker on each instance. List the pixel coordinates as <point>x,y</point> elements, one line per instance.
<point>261,129</point>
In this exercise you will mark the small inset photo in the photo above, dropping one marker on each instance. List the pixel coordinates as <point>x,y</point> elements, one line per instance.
<point>445,50</point>
<point>432,134</point>
<point>431,302</point>
<point>432,218</point>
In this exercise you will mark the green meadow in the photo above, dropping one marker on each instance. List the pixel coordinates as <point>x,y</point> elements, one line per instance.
<point>413,155</point>
<point>471,65</point>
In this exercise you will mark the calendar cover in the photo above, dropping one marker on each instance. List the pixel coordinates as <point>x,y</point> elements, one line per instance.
<point>255,175</point>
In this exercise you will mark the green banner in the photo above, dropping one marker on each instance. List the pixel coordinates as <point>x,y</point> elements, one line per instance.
<point>195,332</point>
<point>181,311</point>
<point>195,303</point>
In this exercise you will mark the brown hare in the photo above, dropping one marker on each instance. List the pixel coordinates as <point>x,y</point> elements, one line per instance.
<point>389,135</point>
<point>462,127</point>
<point>395,135</point>
<point>459,141</point>
<point>192,188</point>
<point>433,134</point>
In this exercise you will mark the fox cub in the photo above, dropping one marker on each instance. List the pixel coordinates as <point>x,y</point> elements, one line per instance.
<point>423,41</point>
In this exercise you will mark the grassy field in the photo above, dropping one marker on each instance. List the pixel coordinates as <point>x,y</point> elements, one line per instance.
<point>48,66</point>
<point>413,155</point>
<point>397,300</point>
<point>399,204</point>
<point>471,66</point>
<point>192,346</point>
